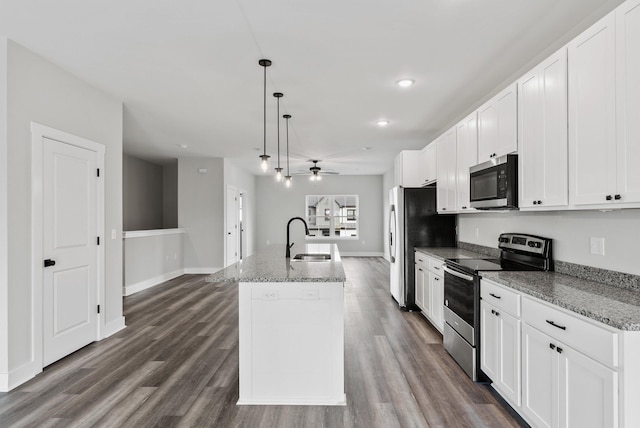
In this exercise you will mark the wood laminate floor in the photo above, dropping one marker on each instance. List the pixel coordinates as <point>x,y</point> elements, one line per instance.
<point>176,364</point>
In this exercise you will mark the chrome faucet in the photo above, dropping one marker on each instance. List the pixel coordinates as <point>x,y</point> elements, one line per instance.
<point>306,231</point>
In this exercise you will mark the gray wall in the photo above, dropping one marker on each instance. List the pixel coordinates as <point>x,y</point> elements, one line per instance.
<point>42,92</point>
<point>201,213</point>
<point>4,230</point>
<point>276,205</point>
<point>143,194</point>
<point>570,230</point>
<point>170,195</point>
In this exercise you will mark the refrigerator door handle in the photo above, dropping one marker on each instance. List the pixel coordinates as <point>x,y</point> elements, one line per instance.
<point>392,230</point>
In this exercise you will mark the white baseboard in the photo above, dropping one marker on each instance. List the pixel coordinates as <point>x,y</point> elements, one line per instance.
<point>148,283</point>
<point>112,327</point>
<point>199,271</point>
<point>361,254</point>
<point>18,376</point>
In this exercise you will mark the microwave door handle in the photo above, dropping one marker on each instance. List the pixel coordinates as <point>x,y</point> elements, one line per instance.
<point>458,274</point>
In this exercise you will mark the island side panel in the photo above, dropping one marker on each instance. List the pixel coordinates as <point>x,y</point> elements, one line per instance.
<point>291,343</point>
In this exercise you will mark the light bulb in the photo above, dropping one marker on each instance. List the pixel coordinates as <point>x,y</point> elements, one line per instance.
<point>264,164</point>
<point>287,181</point>
<point>312,178</point>
<point>278,175</point>
<point>318,177</point>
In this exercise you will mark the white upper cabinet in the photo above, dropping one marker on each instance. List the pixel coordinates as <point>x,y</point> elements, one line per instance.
<point>628,101</point>
<point>429,164</point>
<point>497,125</point>
<point>542,135</point>
<point>592,115</point>
<point>467,156</point>
<point>446,156</point>
<point>408,169</point>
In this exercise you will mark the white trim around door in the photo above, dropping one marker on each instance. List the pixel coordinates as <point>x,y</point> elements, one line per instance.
<point>38,134</point>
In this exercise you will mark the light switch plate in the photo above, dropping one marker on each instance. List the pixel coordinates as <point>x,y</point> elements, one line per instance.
<point>597,246</point>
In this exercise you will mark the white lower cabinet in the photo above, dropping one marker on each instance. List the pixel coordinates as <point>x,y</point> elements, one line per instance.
<point>429,294</point>
<point>557,368</point>
<point>561,387</point>
<point>500,347</point>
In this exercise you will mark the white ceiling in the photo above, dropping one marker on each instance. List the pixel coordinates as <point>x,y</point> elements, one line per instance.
<point>187,70</point>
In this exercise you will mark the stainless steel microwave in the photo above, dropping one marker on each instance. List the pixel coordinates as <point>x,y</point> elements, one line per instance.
<point>494,184</point>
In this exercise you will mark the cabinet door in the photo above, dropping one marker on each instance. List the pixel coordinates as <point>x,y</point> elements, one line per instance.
<point>467,156</point>
<point>497,125</point>
<point>426,280</point>
<point>436,295</point>
<point>539,378</point>
<point>628,101</point>
<point>488,341</point>
<point>542,134</point>
<point>446,153</point>
<point>592,116</point>
<point>588,391</point>
<point>419,280</point>
<point>429,163</point>
<point>508,352</point>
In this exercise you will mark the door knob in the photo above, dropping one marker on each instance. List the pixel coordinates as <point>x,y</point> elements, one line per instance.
<point>49,262</point>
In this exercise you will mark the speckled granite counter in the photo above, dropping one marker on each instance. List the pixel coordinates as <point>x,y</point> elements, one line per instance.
<point>449,253</point>
<point>614,306</point>
<point>270,265</point>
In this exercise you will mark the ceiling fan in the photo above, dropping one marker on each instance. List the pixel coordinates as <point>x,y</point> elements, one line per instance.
<point>315,172</point>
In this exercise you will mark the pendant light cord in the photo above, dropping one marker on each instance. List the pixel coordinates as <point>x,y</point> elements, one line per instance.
<point>264,112</point>
<point>278,123</point>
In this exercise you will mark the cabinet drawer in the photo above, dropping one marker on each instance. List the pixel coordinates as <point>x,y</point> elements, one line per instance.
<point>597,342</point>
<point>435,266</point>
<point>500,297</point>
<point>422,260</point>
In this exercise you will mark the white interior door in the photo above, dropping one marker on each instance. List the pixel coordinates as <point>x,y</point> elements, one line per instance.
<point>70,234</point>
<point>233,215</point>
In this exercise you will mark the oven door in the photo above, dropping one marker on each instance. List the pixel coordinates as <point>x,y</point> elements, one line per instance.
<point>459,302</point>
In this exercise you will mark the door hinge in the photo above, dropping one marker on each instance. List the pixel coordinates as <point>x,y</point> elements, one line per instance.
<point>98,172</point>
<point>98,240</point>
<point>98,308</point>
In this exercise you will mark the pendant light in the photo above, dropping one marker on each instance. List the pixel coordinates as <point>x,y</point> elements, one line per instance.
<point>264,158</point>
<point>278,170</point>
<point>287,178</point>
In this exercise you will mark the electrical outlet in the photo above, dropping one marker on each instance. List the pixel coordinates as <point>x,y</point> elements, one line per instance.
<point>597,246</point>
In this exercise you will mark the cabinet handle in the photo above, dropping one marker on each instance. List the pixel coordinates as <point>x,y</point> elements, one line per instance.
<point>617,197</point>
<point>419,260</point>
<point>497,313</point>
<point>559,349</point>
<point>437,279</point>
<point>535,202</point>
<point>608,198</point>
<point>497,297</point>
<point>436,268</point>
<point>561,327</point>
<point>420,269</point>
<point>552,346</point>
<point>464,208</point>
<point>539,202</point>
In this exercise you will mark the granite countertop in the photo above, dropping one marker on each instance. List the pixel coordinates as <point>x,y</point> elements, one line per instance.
<point>613,306</point>
<point>450,253</point>
<point>270,265</point>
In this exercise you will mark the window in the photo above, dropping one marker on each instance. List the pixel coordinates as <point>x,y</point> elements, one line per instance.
<point>332,216</point>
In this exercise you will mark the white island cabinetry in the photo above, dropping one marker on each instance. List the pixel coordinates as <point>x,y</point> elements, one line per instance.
<point>291,327</point>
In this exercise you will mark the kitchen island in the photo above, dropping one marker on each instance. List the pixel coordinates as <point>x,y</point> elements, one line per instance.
<point>291,327</point>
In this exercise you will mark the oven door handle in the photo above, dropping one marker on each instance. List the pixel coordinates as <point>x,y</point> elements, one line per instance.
<point>458,274</point>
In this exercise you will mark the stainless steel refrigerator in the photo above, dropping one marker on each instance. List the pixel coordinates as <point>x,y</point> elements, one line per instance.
<point>414,222</point>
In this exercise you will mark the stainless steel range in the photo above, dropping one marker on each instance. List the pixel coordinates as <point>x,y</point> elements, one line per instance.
<point>462,293</point>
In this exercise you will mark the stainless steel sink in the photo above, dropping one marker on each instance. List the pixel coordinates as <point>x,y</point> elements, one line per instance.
<point>313,257</point>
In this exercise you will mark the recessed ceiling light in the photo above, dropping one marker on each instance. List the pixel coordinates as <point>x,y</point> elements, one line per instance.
<point>183,146</point>
<point>405,83</point>
<point>383,123</point>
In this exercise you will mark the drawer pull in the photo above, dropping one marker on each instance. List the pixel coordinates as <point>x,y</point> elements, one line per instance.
<point>436,268</point>
<point>496,313</point>
<point>552,346</point>
<point>436,278</point>
<point>495,296</point>
<point>559,350</point>
<point>561,327</point>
